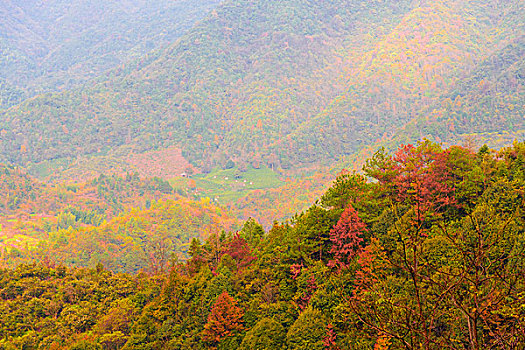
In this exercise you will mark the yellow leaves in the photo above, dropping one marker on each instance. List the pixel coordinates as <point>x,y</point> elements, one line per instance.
<point>481,84</point>
<point>192,184</point>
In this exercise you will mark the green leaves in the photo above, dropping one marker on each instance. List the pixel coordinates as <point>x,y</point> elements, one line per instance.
<point>455,278</point>
<point>308,331</point>
<point>267,334</point>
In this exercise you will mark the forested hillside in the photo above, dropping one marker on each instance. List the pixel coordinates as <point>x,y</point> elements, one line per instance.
<point>447,69</point>
<point>54,44</point>
<point>489,103</point>
<point>168,174</point>
<point>125,222</point>
<point>293,83</point>
<point>424,251</point>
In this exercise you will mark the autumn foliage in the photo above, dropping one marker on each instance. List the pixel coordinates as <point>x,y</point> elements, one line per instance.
<point>346,238</point>
<point>240,251</point>
<point>427,255</point>
<point>224,319</point>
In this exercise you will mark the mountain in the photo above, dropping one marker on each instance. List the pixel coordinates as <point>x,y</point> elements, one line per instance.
<point>439,51</point>
<point>53,45</point>
<point>288,83</point>
<point>489,103</point>
<point>9,94</point>
<point>243,71</point>
<point>429,254</point>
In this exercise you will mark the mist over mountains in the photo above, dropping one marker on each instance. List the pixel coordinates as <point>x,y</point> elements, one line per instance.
<point>262,174</point>
<point>287,83</point>
<point>54,45</point>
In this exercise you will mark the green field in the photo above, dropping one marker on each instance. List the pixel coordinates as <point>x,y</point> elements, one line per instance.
<point>44,169</point>
<point>226,186</point>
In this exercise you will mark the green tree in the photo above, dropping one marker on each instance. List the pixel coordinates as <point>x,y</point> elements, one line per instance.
<point>308,331</point>
<point>267,334</point>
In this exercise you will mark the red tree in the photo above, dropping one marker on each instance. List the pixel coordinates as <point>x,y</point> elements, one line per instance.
<point>329,339</point>
<point>418,176</point>
<point>240,251</point>
<point>422,177</point>
<point>346,238</point>
<point>224,319</point>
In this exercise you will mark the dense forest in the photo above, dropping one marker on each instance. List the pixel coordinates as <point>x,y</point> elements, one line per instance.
<point>227,174</point>
<point>424,249</point>
<point>52,45</point>
<point>292,84</point>
<point>125,222</point>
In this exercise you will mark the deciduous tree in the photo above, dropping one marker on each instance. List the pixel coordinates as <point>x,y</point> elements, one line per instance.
<point>224,319</point>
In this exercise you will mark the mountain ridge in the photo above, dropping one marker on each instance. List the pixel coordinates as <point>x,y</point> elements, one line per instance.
<point>334,79</point>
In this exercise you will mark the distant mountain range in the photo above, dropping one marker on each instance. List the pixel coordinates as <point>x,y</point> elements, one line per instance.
<point>286,83</point>
<point>56,44</point>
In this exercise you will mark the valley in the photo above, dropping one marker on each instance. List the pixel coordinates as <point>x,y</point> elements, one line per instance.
<point>247,174</point>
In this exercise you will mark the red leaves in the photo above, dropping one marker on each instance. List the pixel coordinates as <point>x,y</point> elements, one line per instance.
<point>421,176</point>
<point>329,339</point>
<point>224,319</point>
<point>295,270</point>
<point>416,175</point>
<point>346,237</point>
<point>311,287</point>
<point>240,251</point>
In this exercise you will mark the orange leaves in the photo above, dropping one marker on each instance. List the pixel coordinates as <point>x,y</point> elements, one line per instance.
<point>224,319</point>
<point>382,343</point>
<point>372,265</point>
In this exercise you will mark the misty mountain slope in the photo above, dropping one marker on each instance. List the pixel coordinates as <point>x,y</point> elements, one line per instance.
<point>9,94</point>
<point>489,104</point>
<point>48,45</point>
<point>418,65</point>
<point>195,93</point>
<point>286,83</point>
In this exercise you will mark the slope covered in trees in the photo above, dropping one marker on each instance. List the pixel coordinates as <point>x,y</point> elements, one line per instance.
<point>50,45</point>
<point>304,82</point>
<point>424,252</point>
<point>127,223</point>
<point>195,92</point>
<point>448,69</point>
<point>489,103</point>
